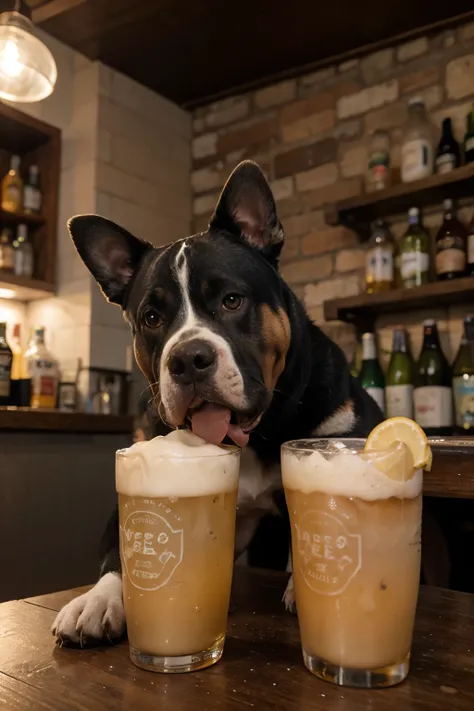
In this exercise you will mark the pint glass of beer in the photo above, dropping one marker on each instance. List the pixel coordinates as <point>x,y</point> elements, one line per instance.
<point>356,547</point>
<point>177,507</point>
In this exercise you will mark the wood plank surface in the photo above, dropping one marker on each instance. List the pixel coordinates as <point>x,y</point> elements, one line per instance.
<point>262,667</point>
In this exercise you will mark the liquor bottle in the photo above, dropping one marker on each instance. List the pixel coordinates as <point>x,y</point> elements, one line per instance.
<point>417,158</point>
<point>6,358</point>
<point>470,248</point>
<point>432,393</point>
<point>399,388</point>
<point>43,370</point>
<point>12,187</point>
<point>24,258</point>
<point>469,138</point>
<point>415,251</point>
<point>450,245</point>
<point>448,155</point>
<point>371,375</point>
<point>19,363</point>
<point>463,380</point>
<point>32,197</point>
<point>379,265</point>
<point>6,250</point>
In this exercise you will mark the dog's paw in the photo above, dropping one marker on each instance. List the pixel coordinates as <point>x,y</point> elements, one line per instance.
<point>93,618</point>
<point>289,596</point>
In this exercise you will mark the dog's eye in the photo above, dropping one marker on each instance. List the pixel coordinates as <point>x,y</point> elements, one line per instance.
<point>152,318</point>
<point>232,302</point>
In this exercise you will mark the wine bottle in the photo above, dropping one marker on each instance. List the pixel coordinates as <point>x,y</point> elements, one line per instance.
<point>371,375</point>
<point>399,388</point>
<point>432,393</point>
<point>448,155</point>
<point>450,245</point>
<point>470,248</point>
<point>415,252</point>
<point>463,380</point>
<point>6,358</point>
<point>469,138</point>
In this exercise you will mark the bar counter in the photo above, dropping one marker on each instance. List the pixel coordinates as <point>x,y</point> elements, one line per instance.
<point>26,419</point>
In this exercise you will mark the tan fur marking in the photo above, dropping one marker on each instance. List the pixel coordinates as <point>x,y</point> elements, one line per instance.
<point>341,422</point>
<point>277,337</point>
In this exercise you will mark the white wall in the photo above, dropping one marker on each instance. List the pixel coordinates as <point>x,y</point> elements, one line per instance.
<point>125,155</point>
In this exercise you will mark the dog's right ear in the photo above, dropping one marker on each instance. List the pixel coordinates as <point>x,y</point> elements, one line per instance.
<point>111,254</point>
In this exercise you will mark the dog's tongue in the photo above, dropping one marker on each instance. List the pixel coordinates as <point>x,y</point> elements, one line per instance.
<point>212,423</point>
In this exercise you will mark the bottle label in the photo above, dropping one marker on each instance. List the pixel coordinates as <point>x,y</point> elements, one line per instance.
<point>31,198</point>
<point>470,249</point>
<point>378,394</point>
<point>399,400</point>
<point>445,163</point>
<point>450,255</point>
<point>463,387</point>
<point>433,406</point>
<point>379,265</point>
<point>414,263</point>
<point>469,145</point>
<point>417,160</point>
<point>5,371</point>
<point>44,378</point>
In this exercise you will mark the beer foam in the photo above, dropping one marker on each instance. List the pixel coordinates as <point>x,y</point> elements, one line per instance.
<point>344,474</point>
<point>179,464</point>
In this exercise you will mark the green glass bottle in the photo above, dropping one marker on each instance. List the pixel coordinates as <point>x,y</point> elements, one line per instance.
<point>415,252</point>
<point>463,380</point>
<point>371,375</point>
<point>399,388</point>
<point>432,395</point>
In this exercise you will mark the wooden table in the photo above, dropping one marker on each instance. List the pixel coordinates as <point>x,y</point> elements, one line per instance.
<point>262,667</point>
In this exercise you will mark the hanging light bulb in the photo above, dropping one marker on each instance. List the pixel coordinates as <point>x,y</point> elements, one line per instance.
<point>27,68</point>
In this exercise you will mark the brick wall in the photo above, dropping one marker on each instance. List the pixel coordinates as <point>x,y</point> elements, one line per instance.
<point>311,137</point>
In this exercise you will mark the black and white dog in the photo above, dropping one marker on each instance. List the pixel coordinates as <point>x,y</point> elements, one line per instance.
<point>227,349</point>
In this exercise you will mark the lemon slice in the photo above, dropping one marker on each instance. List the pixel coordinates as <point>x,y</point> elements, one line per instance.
<point>396,461</point>
<point>401,429</point>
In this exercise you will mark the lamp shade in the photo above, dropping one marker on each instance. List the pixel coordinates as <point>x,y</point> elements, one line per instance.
<point>27,68</point>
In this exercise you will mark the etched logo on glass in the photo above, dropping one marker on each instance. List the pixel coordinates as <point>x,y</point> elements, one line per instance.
<point>151,549</point>
<point>329,556</point>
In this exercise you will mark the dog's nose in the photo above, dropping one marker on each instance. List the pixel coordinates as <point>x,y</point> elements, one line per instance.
<point>191,361</point>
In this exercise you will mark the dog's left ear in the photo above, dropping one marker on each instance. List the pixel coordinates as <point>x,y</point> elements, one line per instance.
<point>247,209</point>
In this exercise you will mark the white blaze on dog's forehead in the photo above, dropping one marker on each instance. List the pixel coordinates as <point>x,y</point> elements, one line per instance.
<point>228,380</point>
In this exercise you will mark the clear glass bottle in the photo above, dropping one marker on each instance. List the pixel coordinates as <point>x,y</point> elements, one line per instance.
<point>24,257</point>
<point>451,243</point>
<point>378,172</point>
<point>43,370</point>
<point>417,159</point>
<point>19,364</point>
<point>415,252</point>
<point>379,265</point>
<point>32,197</point>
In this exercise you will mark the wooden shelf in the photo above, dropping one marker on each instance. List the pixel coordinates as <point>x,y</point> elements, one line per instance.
<point>24,418</point>
<point>36,143</point>
<point>364,308</point>
<point>358,212</point>
<point>18,218</point>
<point>24,289</point>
